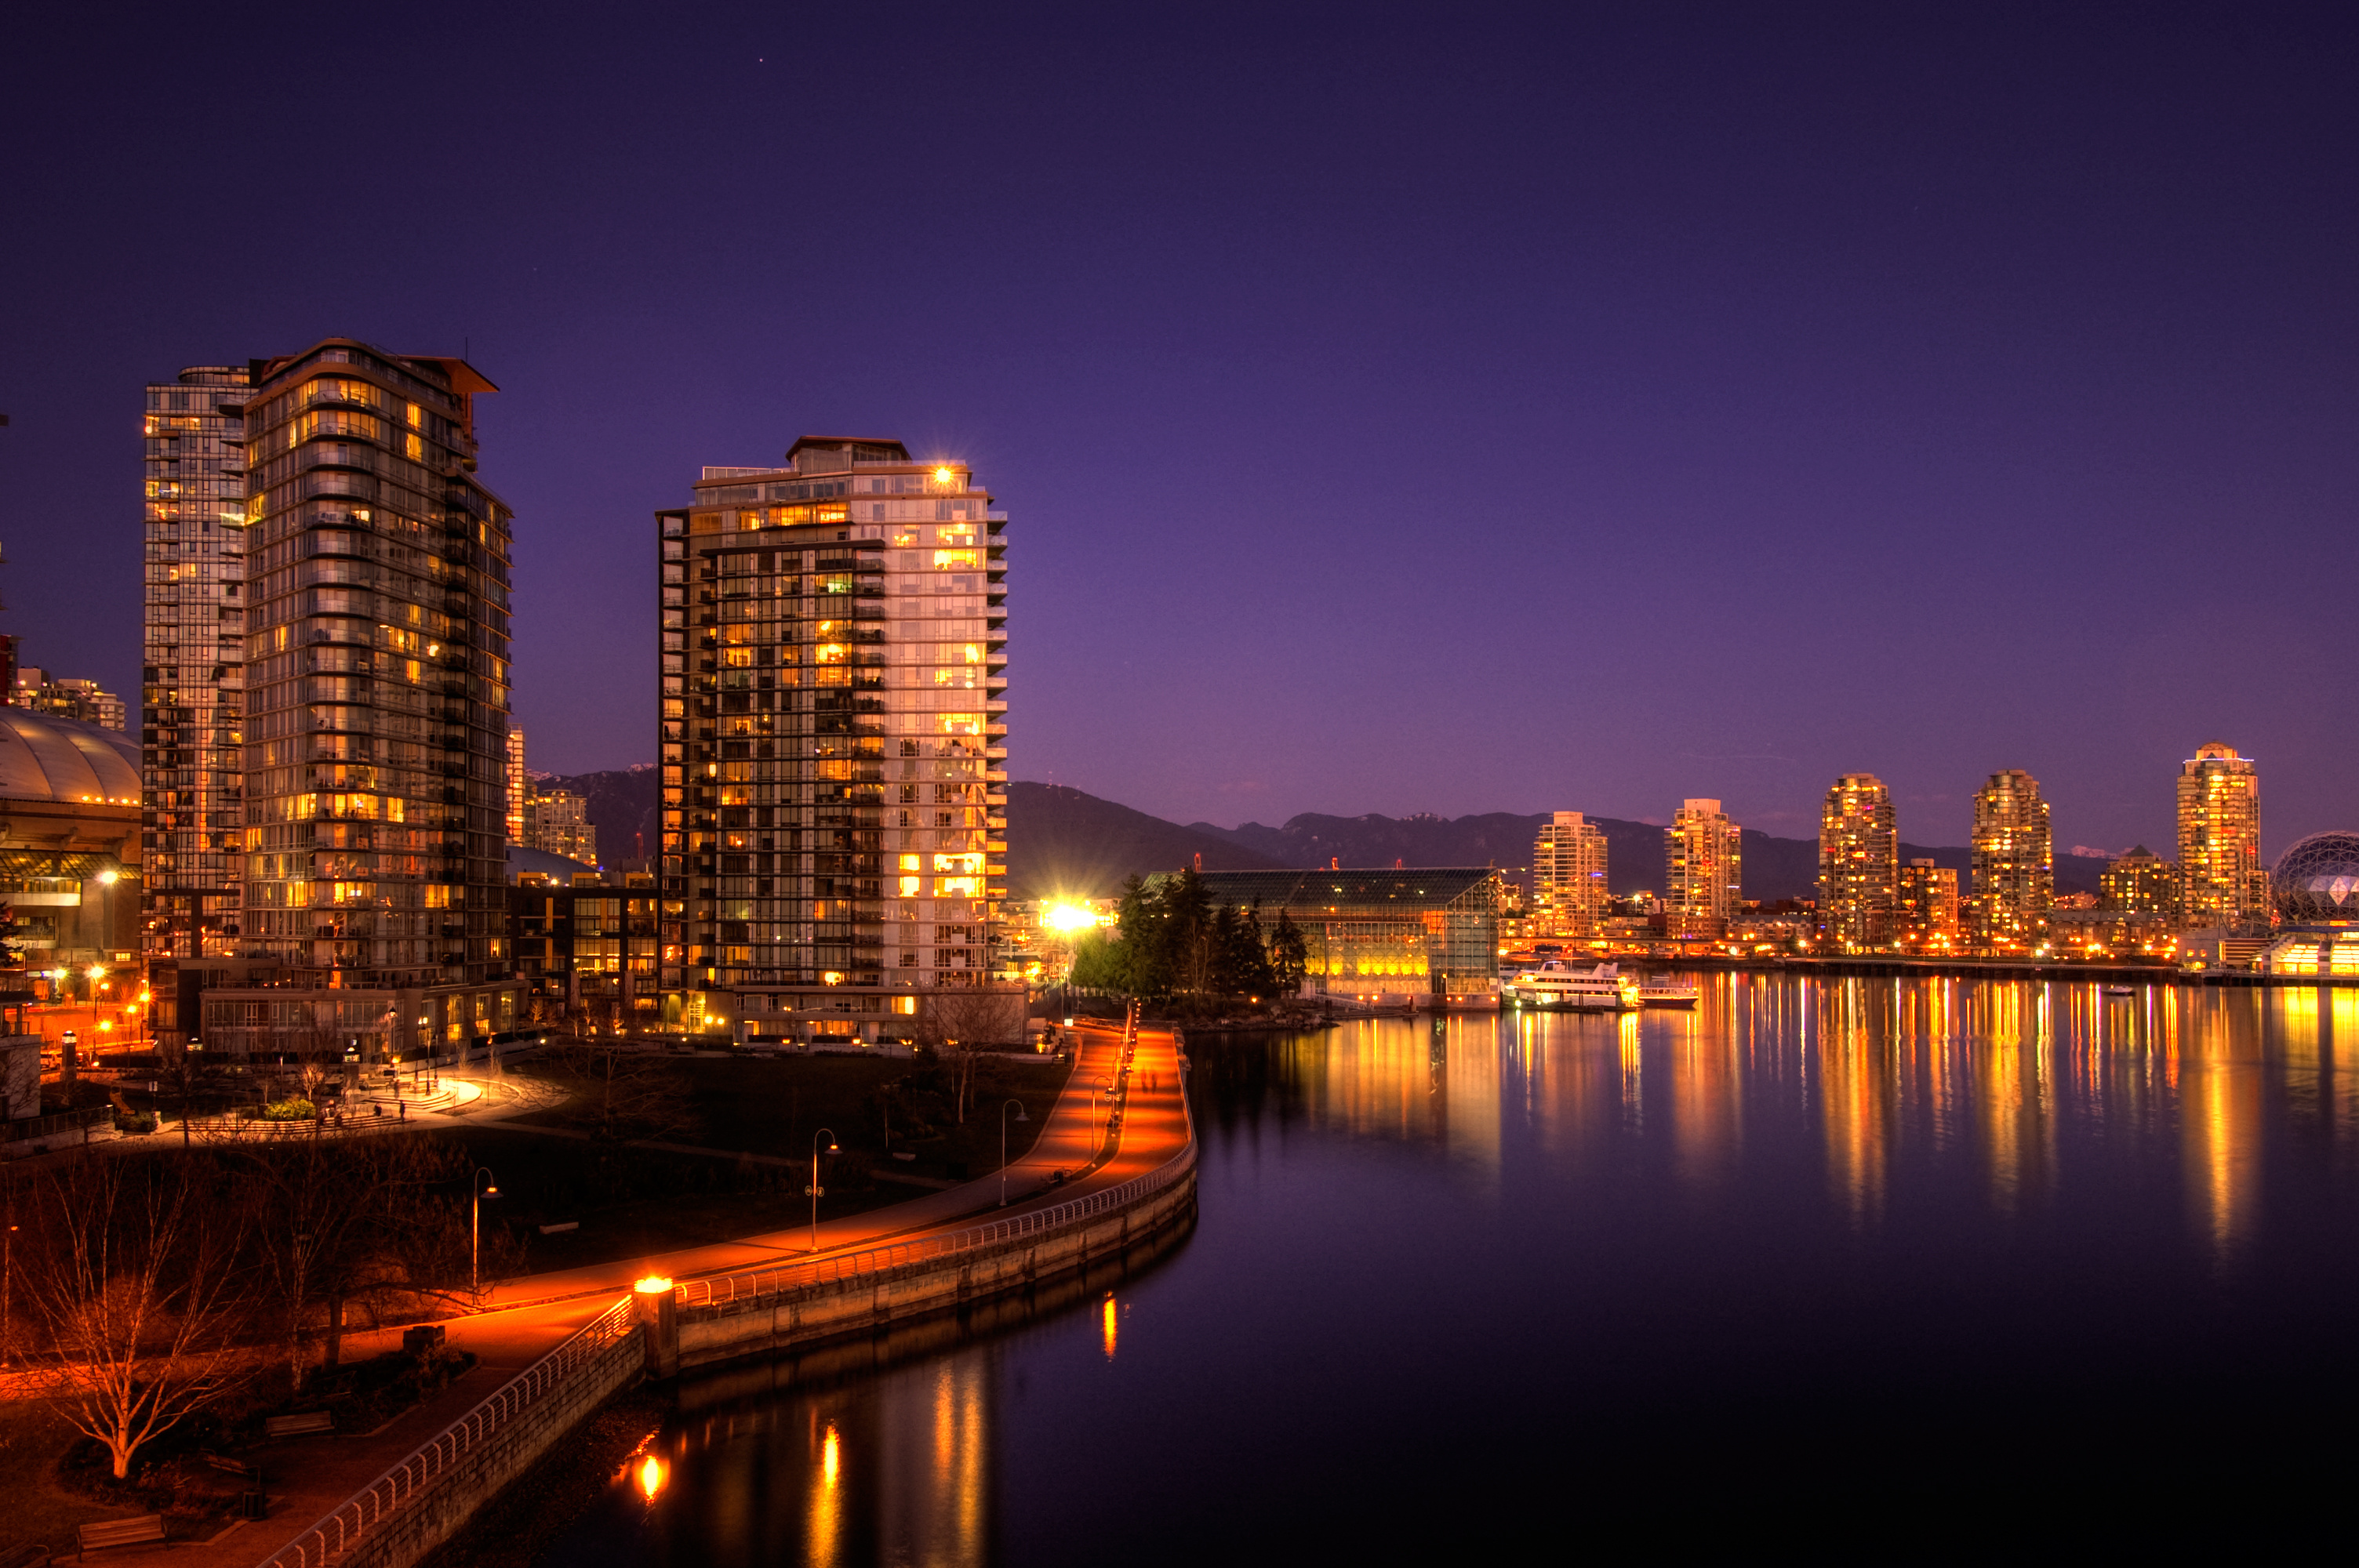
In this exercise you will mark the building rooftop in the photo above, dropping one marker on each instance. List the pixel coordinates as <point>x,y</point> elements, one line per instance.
<point>44,756</point>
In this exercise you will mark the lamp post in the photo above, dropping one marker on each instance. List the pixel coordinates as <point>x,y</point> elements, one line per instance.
<point>475,1230</point>
<point>815,1189</point>
<point>1097,1139</point>
<point>106,881</point>
<point>1003,1145</point>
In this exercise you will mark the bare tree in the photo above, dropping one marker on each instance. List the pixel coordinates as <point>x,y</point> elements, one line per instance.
<point>961,1023</point>
<point>625,1092</point>
<point>132,1277</point>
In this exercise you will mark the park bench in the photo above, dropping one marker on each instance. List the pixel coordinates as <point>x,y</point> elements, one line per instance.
<point>302,1425</point>
<point>237,1467</point>
<point>30,1555</point>
<point>145,1530</point>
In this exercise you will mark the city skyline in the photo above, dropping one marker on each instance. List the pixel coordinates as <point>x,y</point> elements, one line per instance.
<point>2008,356</point>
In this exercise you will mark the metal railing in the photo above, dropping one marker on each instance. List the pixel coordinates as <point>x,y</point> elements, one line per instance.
<point>612,1333</point>
<point>730,1288</point>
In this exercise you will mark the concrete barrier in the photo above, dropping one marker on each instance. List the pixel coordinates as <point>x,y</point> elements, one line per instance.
<point>417,1504</point>
<point>790,1313</point>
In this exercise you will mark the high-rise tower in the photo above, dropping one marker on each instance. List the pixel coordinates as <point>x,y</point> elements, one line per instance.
<point>375,705</point>
<point>2224,883</point>
<point>1704,869</point>
<point>2014,862</point>
<point>1569,884</point>
<point>1859,863</point>
<point>834,743</point>
<point>192,825</point>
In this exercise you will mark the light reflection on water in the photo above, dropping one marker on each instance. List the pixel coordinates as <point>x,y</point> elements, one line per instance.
<point>1837,1142</point>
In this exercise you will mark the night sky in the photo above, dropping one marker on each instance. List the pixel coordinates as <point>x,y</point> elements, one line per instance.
<point>1451,409</point>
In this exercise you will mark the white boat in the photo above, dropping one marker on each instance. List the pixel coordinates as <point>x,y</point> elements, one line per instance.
<point>1560,986</point>
<point>2121,991</point>
<point>1665,993</point>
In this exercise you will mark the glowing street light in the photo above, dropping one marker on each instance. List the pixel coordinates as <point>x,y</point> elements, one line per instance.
<point>475,1231</point>
<point>1003,1145</point>
<point>815,1189</point>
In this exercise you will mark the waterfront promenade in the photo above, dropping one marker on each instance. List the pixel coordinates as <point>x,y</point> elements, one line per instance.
<point>527,1317</point>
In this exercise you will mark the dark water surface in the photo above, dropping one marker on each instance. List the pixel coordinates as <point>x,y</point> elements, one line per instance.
<point>1883,1267</point>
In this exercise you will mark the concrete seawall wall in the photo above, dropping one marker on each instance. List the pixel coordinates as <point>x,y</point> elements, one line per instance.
<point>486,1449</point>
<point>813,1314</point>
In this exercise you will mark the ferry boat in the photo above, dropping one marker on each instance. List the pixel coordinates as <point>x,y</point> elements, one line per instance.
<point>1665,993</point>
<point>1556,984</point>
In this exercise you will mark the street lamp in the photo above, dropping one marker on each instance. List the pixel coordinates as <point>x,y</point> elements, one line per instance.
<point>1003,1145</point>
<point>475,1230</point>
<point>106,881</point>
<point>815,1189</point>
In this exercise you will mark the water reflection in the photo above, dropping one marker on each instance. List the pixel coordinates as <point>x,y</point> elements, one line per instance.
<point>1784,1140</point>
<point>1897,1082</point>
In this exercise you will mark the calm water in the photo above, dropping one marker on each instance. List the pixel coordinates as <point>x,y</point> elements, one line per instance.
<point>1819,1262</point>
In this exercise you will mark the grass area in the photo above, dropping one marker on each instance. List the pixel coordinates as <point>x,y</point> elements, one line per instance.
<point>630,1202</point>
<point>33,1438</point>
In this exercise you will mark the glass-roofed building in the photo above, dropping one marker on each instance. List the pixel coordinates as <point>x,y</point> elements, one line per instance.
<point>1386,935</point>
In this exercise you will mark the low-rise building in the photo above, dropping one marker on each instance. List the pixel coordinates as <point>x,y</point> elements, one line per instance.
<point>1427,935</point>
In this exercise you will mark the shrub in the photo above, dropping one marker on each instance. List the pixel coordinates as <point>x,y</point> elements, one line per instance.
<point>289,1110</point>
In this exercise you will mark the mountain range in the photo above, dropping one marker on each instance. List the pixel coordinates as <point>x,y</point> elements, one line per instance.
<point>1061,840</point>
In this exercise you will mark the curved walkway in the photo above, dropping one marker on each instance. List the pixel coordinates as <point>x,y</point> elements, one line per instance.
<point>524,1318</point>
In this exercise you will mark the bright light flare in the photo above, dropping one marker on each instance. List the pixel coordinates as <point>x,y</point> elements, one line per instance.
<point>1067,917</point>
<point>652,1285</point>
<point>651,1476</point>
<point>944,475</point>
<point>830,1454</point>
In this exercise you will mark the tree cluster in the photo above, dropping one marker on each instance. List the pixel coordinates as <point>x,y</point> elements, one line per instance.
<point>1175,942</point>
<point>146,1289</point>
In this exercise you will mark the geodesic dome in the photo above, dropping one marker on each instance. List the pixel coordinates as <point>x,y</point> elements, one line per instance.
<point>2317,881</point>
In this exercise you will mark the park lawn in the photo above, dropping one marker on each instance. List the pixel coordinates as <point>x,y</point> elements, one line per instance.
<point>33,1437</point>
<point>631,1202</point>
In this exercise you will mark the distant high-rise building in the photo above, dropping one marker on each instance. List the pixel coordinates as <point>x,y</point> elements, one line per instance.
<point>1568,886</point>
<point>1929,905</point>
<point>374,690</point>
<point>519,786</point>
<point>1859,862</point>
<point>2140,882</point>
<point>192,685</point>
<point>833,735</point>
<point>557,823</point>
<point>2223,883</point>
<point>1704,869</point>
<point>81,700</point>
<point>2014,862</point>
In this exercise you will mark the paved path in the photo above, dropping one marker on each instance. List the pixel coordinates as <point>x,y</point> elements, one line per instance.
<point>529,1316</point>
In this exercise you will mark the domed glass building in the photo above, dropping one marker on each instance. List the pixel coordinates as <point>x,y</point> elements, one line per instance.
<point>2316,883</point>
<point>69,838</point>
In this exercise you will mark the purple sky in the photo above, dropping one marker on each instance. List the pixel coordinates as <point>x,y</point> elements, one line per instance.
<point>1464,410</point>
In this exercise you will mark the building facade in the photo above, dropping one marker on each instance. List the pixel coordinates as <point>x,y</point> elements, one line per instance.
<point>586,950</point>
<point>833,741</point>
<point>1859,863</point>
<point>1703,871</point>
<point>519,787</point>
<point>2014,864</point>
<point>1384,934</point>
<point>374,689</point>
<point>81,700</point>
<point>557,823</point>
<point>1929,912</point>
<point>2139,883</point>
<point>2223,884</point>
<point>193,680</point>
<point>1568,884</point>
